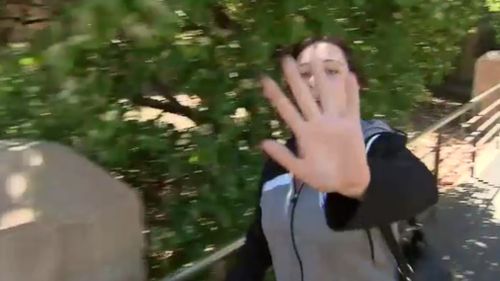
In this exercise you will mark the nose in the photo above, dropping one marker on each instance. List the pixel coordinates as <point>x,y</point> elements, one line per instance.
<point>311,83</point>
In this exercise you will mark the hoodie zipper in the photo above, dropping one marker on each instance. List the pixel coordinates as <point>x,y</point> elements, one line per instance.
<point>294,200</point>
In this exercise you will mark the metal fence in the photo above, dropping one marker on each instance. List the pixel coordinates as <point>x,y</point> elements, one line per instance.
<point>484,124</point>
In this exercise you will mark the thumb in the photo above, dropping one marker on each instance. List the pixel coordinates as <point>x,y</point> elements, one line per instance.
<point>352,100</point>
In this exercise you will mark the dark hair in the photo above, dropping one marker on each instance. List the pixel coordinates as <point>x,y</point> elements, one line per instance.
<point>297,48</point>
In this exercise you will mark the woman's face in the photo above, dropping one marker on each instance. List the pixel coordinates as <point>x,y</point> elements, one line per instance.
<point>332,59</point>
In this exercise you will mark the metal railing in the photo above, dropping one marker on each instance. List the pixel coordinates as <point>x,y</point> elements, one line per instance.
<point>198,267</point>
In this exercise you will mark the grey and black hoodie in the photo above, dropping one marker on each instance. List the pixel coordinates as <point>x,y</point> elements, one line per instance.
<point>306,235</point>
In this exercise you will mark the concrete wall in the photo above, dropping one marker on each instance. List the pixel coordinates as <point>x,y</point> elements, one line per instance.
<point>62,218</point>
<point>487,75</point>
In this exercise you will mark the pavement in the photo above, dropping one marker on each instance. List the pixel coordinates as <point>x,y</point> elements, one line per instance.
<point>465,226</point>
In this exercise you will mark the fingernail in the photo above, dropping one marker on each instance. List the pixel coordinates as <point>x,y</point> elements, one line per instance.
<point>286,59</point>
<point>264,79</point>
<point>263,144</point>
<point>264,82</point>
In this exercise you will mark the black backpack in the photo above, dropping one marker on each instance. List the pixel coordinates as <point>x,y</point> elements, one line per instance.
<point>416,259</point>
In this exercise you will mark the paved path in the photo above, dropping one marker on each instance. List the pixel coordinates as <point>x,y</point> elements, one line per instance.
<point>465,226</point>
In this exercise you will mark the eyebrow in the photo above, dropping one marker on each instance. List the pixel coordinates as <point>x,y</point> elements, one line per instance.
<point>326,60</point>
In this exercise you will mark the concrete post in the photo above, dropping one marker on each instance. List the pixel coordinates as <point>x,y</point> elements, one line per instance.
<point>62,218</point>
<point>487,75</point>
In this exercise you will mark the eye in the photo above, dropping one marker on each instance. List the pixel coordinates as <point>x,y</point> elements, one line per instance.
<point>330,71</point>
<point>305,74</point>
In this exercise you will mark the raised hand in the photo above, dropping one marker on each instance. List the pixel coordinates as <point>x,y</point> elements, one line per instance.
<point>328,132</point>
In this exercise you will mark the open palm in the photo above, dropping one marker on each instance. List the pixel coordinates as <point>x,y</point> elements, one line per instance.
<point>329,137</point>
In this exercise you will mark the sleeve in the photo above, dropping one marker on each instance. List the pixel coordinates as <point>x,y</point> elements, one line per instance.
<point>401,187</point>
<point>253,258</point>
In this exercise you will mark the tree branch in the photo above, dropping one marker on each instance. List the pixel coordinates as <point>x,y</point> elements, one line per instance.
<point>223,20</point>
<point>35,20</point>
<point>25,21</point>
<point>10,18</point>
<point>159,88</point>
<point>167,106</point>
<point>170,104</point>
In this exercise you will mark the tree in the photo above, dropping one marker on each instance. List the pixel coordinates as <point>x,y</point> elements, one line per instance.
<point>78,81</point>
<point>494,16</point>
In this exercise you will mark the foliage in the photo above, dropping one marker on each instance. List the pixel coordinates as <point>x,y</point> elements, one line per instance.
<point>494,9</point>
<point>77,82</point>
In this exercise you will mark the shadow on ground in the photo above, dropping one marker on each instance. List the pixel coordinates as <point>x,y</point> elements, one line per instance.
<point>465,228</point>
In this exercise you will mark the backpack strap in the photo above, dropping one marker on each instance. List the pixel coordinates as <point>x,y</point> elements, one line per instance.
<point>404,267</point>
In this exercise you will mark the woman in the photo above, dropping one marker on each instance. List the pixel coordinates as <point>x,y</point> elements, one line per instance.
<point>324,194</point>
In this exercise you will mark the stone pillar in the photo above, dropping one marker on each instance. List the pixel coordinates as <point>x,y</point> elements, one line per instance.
<point>487,75</point>
<point>62,218</point>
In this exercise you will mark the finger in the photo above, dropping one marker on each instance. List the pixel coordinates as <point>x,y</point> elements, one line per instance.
<point>321,86</point>
<point>282,155</point>
<point>352,90</point>
<point>332,94</point>
<point>283,105</point>
<point>300,90</point>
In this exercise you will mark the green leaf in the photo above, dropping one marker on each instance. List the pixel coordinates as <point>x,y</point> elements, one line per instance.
<point>406,3</point>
